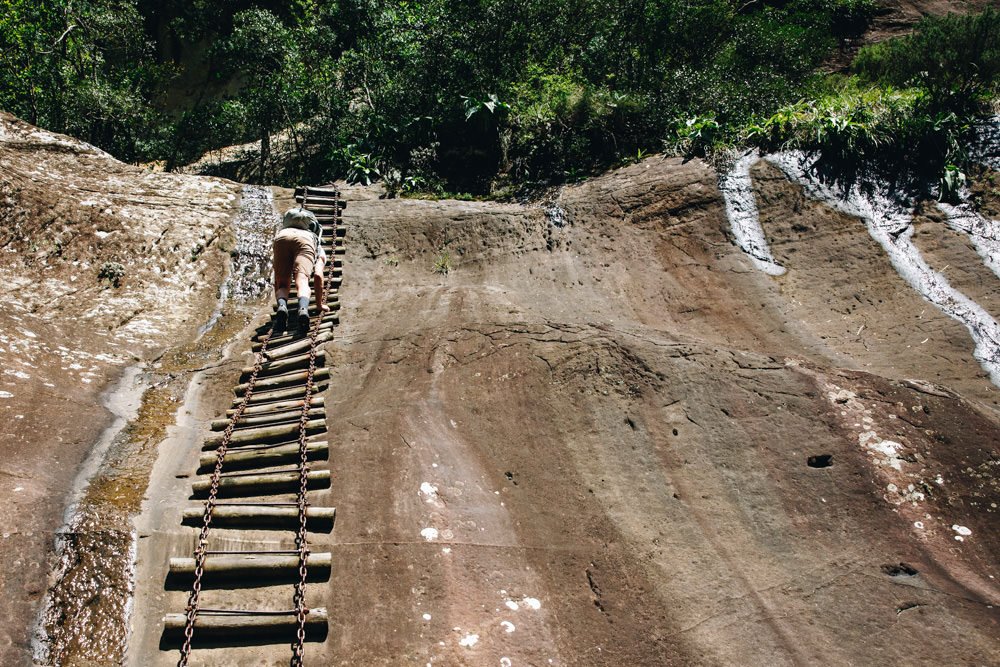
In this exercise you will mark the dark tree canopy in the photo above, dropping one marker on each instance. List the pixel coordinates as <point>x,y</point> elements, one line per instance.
<point>464,95</point>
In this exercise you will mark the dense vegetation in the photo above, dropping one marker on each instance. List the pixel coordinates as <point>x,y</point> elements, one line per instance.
<point>905,114</point>
<point>477,95</point>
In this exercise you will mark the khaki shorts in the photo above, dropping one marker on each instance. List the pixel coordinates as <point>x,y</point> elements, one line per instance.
<point>294,253</point>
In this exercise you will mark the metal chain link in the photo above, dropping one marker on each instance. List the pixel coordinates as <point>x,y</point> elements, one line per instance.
<point>200,551</point>
<point>301,539</point>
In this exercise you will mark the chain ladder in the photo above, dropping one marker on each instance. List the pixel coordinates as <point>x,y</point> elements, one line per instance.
<point>301,539</point>
<point>202,548</point>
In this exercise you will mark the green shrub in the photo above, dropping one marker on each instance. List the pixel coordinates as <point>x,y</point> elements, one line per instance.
<point>442,264</point>
<point>505,92</point>
<point>956,59</point>
<point>112,272</point>
<point>857,127</point>
<point>951,184</point>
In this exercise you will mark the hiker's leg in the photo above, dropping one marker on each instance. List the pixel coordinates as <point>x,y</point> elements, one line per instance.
<point>305,257</point>
<point>318,285</point>
<point>282,287</point>
<point>302,283</point>
<point>283,254</point>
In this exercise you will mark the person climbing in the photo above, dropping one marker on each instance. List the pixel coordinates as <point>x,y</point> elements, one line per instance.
<point>298,254</point>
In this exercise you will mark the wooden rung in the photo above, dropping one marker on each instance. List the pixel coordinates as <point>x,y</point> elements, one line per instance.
<point>293,306</point>
<point>294,347</point>
<point>268,418</point>
<point>270,396</point>
<point>260,331</point>
<point>284,365</point>
<point>227,566</point>
<point>299,189</point>
<point>317,188</point>
<point>263,458</point>
<point>262,484</point>
<point>265,434</point>
<point>293,313</point>
<point>280,406</point>
<point>279,381</point>
<point>293,298</point>
<point>291,348</point>
<point>322,201</point>
<point>262,517</point>
<point>289,337</point>
<point>318,195</point>
<point>323,209</point>
<point>246,628</point>
<point>263,328</point>
<point>318,202</point>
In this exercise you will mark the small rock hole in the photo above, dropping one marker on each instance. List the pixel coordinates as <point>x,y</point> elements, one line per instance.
<point>631,423</point>
<point>675,431</point>
<point>900,570</point>
<point>820,461</point>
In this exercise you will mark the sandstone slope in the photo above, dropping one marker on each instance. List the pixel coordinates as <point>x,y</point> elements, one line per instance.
<point>605,438</point>
<point>67,212</point>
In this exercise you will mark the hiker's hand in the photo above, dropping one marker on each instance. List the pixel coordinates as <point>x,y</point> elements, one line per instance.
<point>323,308</point>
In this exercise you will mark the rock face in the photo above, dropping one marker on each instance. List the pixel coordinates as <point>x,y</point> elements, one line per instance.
<point>591,432</point>
<point>104,265</point>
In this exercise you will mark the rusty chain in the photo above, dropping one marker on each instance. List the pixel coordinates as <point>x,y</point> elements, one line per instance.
<point>301,539</point>
<point>201,549</point>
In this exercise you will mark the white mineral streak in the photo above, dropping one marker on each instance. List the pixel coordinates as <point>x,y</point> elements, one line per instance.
<point>983,233</point>
<point>889,223</point>
<point>255,225</point>
<point>741,209</point>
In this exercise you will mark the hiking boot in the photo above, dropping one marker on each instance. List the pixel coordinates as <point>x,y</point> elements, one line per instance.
<point>303,321</point>
<point>280,318</point>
